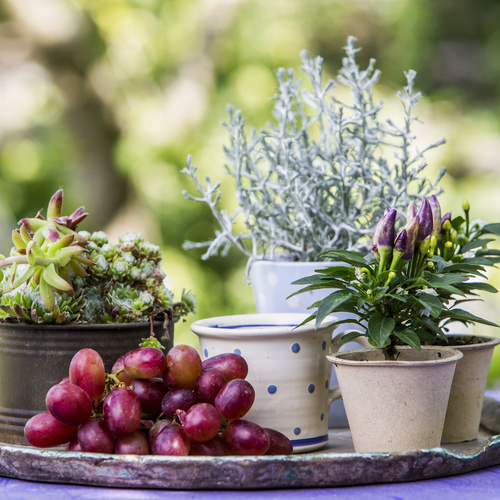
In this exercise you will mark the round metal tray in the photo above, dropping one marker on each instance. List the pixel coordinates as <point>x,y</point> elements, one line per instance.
<point>335,465</point>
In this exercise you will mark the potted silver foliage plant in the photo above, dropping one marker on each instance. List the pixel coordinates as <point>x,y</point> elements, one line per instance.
<point>317,178</point>
<point>61,291</point>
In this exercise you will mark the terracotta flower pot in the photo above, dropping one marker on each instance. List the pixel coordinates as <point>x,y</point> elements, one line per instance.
<point>398,405</point>
<point>467,391</point>
<point>33,358</point>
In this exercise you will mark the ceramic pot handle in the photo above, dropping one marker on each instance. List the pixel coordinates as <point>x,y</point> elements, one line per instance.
<point>334,393</point>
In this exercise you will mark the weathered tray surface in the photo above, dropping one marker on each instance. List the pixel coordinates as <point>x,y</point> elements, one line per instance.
<point>335,465</point>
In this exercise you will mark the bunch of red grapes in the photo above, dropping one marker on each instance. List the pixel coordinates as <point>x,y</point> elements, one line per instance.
<point>157,404</point>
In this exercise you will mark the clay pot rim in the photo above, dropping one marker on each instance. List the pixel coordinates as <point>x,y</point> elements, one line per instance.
<point>452,356</point>
<point>75,326</point>
<point>489,342</point>
<point>283,262</point>
<point>241,326</point>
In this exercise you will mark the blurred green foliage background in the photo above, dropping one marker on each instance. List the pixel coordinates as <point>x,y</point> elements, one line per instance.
<point>105,98</point>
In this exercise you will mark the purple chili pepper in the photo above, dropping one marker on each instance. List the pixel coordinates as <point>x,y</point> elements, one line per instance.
<point>425,215</point>
<point>385,239</point>
<point>411,211</point>
<point>401,241</point>
<point>436,215</point>
<point>411,232</point>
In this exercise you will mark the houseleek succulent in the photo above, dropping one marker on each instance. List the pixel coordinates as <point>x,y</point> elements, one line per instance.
<point>55,274</point>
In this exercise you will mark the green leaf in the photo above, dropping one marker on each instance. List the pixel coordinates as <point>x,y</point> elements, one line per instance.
<point>400,298</point>
<point>493,228</point>
<point>430,325</point>
<point>476,244</point>
<point>348,337</point>
<point>318,286</point>
<point>330,303</point>
<point>408,337</point>
<point>478,285</point>
<point>488,251</point>
<point>354,259</point>
<point>457,222</point>
<point>343,272</point>
<point>456,314</point>
<point>424,335</point>
<point>431,304</point>
<point>444,282</point>
<point>380,328</point>
<point>151,341</point>
<point>379,292</point>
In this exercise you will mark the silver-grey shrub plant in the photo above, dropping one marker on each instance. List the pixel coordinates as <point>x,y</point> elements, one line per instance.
<point>322,174</point>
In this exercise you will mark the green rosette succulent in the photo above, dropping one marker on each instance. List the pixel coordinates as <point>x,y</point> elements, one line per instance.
<point>57,275</point>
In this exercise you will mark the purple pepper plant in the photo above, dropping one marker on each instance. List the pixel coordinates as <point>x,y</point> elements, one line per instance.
<point>57,275</point>
<point>413,283</point>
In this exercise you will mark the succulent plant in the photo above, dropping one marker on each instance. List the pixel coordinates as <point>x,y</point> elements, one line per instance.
<point>55,274</point>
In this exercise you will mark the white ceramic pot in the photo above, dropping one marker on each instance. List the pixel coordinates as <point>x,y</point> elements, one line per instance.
<point>395,406</point>
<point>287,368</point>
<point>463,415</point>
<point>272,284</point>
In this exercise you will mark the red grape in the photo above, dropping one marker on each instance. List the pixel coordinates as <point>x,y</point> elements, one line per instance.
<point>151,392</point>
<point>156,429</point>
<point>208,385</point>
<point>231,365</point>
<point>201,422</point>
<point>183,367</point>
<point>45,431</point>
<point>133,444</point>
<point>119,367</point>
<point>122,411</point>
<point>73,445</point>
<point>94,436</point>
<point>279,444</point>
<point>145,362</point>
<point>69,404</point>
<point>172,440</point>
<point>216,447</point>
<point>178,399</point>
<point>235,399</point>
<point>246,438</point>
<point>86,370</point>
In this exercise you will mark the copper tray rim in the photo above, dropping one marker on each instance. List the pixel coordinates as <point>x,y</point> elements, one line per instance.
<point>322,468</point>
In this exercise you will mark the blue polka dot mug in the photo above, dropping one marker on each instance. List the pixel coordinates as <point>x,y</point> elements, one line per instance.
<point>287,367</point>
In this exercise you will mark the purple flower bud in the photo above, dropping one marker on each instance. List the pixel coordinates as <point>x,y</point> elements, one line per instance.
<point>411,228</point>
<point>436,215</point>
<point>401,241</point>
<point>385,240</point>
<point>425,215</point>
<point>376,232</point>
<point>411,211</point>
